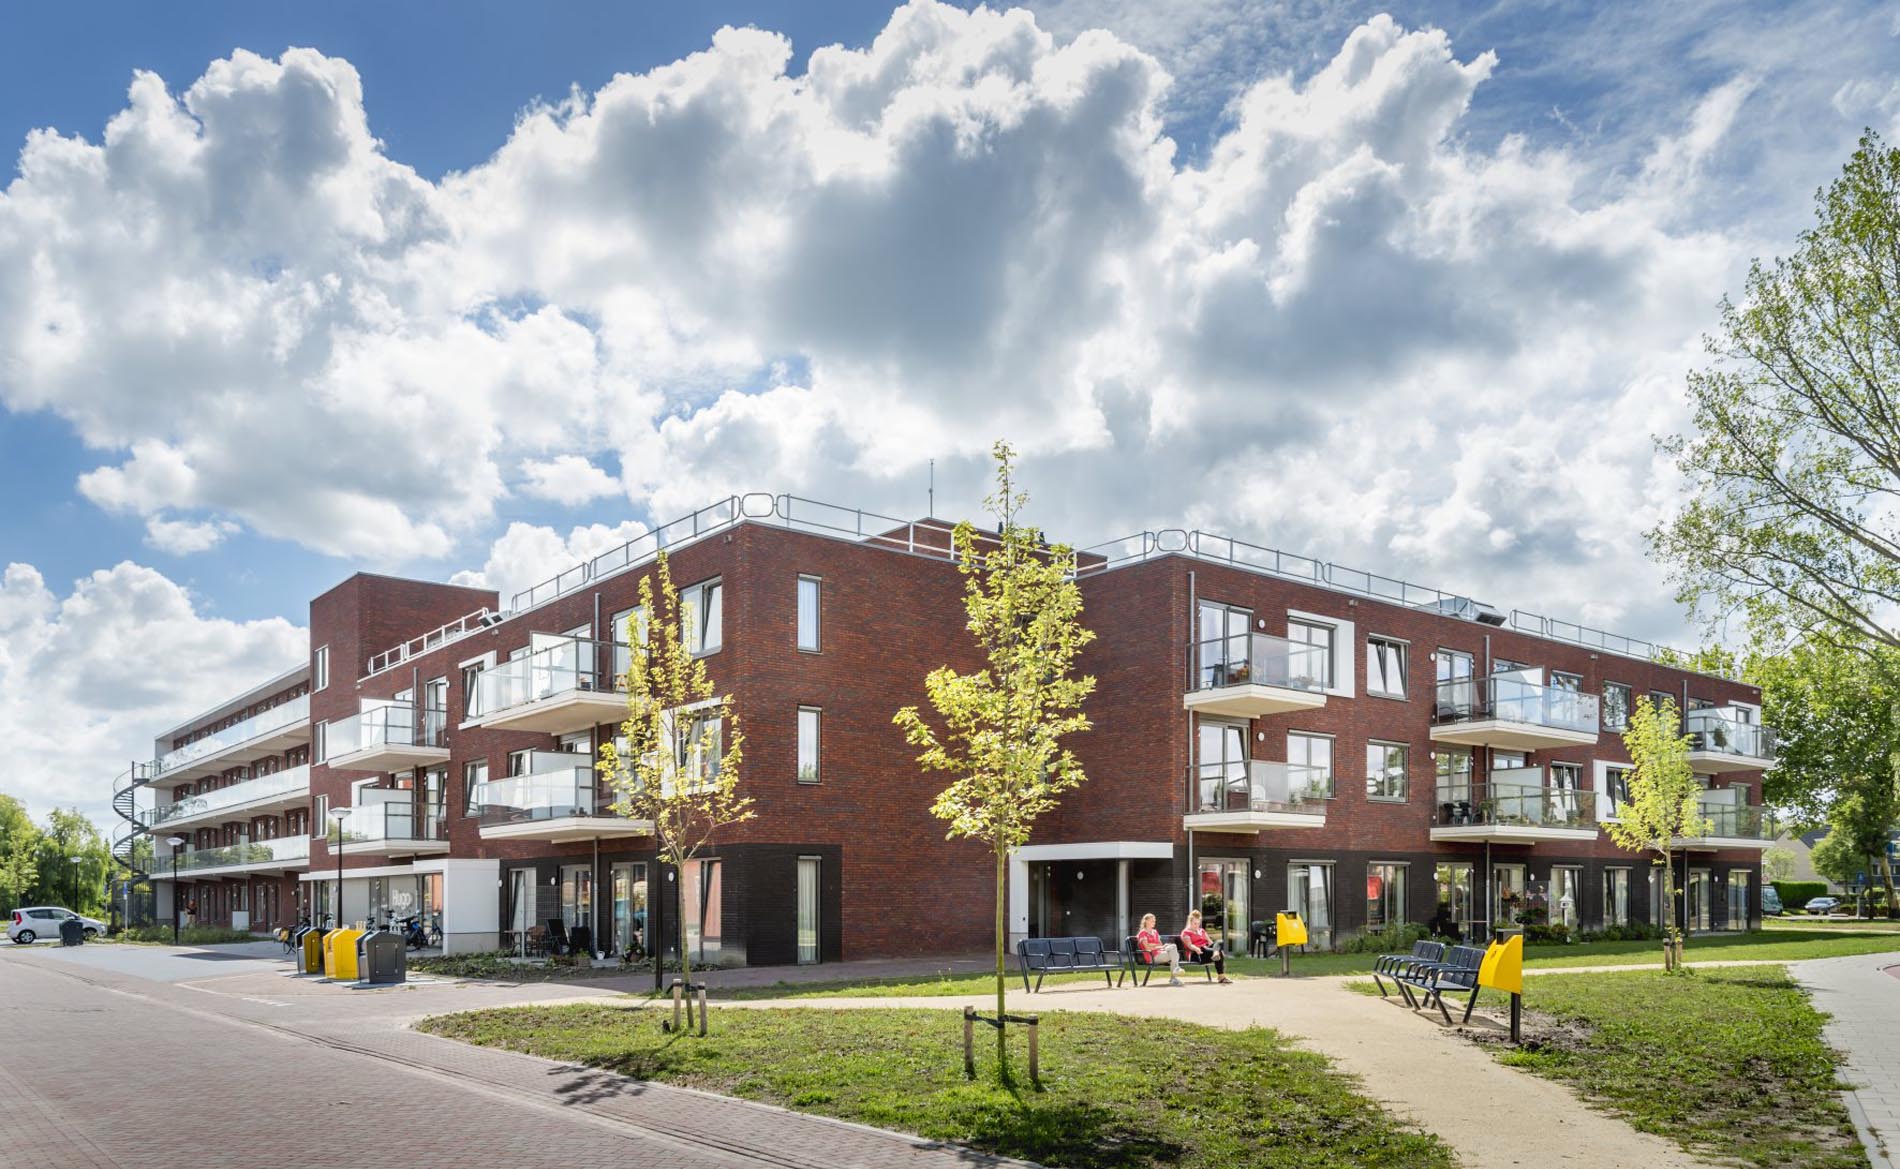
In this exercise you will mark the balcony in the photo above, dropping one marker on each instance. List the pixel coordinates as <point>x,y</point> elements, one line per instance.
<point>1516,806</point>
<point>387,738</point>
<point>1252,675</point>
<point>1719,742</point>
<point>279,855</point>
<point>284,725</point>
<point>559,799</point>
<point>1509,712</point>
<point>1729,823</point>
<point>289,788</point>
<point>394,825</point>
<point>564,687</point>
<point>1255,796</point>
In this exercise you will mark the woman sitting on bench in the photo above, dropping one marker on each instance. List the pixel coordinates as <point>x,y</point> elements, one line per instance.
<point>1196,946</point>
<point>1153,950</point>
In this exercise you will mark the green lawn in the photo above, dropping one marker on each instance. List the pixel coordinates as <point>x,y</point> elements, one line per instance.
<point>1117,1093</point>
<point>1726,1062</point>
<point>1770,945</point>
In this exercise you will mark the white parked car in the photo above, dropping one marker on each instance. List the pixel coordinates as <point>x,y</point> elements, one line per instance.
<point>42,921</point>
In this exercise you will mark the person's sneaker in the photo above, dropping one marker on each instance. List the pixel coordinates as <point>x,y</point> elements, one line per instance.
<point>1174,982</point>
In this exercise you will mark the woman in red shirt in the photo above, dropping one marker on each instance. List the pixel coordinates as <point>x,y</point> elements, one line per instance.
<point>1196,946</point>
<point>1153,950</point>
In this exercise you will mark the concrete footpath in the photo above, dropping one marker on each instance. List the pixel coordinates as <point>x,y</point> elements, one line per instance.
<point>1861,996</point>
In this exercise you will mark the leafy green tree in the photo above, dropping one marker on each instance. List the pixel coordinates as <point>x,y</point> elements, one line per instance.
<point>1836,710</point>
<point>79,885</point>
<point>1777,863</point>
<point>1663,806</point>
<point>19,854</point>
<point>1856,843</point>
<point>676,765</point>
<point>1003,725</point>
<point>1794,467</point>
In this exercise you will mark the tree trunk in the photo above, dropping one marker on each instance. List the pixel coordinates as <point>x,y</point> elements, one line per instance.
<point>686,956</point>
<point>1886,878</point>
<point>1002,935</point>
<point>1672,954</point>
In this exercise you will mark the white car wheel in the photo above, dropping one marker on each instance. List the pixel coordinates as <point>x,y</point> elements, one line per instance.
<point>23,938</point>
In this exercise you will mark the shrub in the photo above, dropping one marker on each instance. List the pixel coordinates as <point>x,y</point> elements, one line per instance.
<point>1636,931</point>
<point>191,935</point>
<point>1558,934</point>
<point>1395,938</point>
<point>1797,894</point>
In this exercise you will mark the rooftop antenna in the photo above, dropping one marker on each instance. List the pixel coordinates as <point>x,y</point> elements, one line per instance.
<point>932,509</point>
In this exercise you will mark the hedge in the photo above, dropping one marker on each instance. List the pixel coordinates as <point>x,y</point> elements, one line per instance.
<point>1797,894</point>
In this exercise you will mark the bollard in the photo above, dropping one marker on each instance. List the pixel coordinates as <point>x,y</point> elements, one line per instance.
<point>969,1042</point>
<point>676,1007</point>
<point>1035,1069</point>
<point>702,1010</point>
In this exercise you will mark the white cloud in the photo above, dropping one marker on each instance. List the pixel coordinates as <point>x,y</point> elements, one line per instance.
<point>567,479</point>
<point>1343,325</point>
<point>184,537</point>
<point>88,677</point>
<point>527,554</point>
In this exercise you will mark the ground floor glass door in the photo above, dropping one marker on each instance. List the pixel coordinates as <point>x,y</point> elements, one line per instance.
<point>807,910</point>
<point>630,907</point>
<point>1566,896</point>
<point>702,889</point>
<point>1309,892</point>
<point>1507,892</point>
<point>1616,897</point>
<point>1738,886</point>
<point>1699,909</point>
<point>1457,903</point>
<point>1224,900</point>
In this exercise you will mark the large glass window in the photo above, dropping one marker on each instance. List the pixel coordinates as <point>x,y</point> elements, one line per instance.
<point>1453,768</point>
<point>1311,756</point>
<point>1507,893</point>
<point>1220,761</point>
<point>1309,892</point>
<point>1223,640</point>
<point>1616,790</point>
<point>629,629</point>
<point>1616,896</point>
<point>320,669</point>
<point>1385,667</point>
<point>701,618</point>
<point>1566,895</point>
<point>808,613</point>
<point>630,907</point>
<point>808,744</point>
<point>1457,905</point>
<point>471,685</point>
<point>577,895</point>
<point>473,776</point>
<point>1315,634</point>
<point>807,910</point>
<point>1566,780</point>
<point>1616,706</point>
<point>1386,771</point>
<point>1385,895</point>
<point>703,917</point>
<point>1451,673</point>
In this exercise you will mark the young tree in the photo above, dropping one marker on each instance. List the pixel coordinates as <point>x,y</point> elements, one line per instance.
<point>79,884</point>
<point>1777,864</point>
<point>1856,843</point>
<point>676,765</point>
<point>1836,710</point>
<point>1794,469</point>
<point>1662,807</point>
<point>1003,725</point>
<point>19,854</point>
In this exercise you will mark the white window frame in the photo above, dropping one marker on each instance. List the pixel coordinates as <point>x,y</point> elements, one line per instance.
<point>320,741</point>
<point>320,669</point>
<point>693,607</point>
<point>817,584</point>
<point>817,745</point>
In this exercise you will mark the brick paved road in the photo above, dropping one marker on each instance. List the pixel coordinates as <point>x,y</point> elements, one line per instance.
<point>102,1068</point>
<point>1864,1002</point>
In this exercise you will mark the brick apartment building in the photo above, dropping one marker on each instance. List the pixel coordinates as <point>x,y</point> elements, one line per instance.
<point>1270,731</point>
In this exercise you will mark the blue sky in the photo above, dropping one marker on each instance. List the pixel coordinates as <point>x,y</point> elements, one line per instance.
<point>475,290</point>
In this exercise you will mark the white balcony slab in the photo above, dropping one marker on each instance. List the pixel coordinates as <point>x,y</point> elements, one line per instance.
<point>1510,734</point>
<point>1251,700</point>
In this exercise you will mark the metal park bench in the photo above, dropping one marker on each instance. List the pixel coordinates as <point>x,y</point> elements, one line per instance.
<point>1426,984</point>
<point>1045,956</point>
<point>1136,961</point>
<point>1424,954</point>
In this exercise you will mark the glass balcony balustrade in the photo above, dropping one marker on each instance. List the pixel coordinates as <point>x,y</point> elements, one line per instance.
<point>281,851</point>
<point>1257,785</point>
<point>278,718</point>
<point>279,784</point>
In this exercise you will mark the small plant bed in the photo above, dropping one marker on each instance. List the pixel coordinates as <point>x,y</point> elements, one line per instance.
<point>191,935</point>
<point>1116,1093</point>
<point>501,966</point>
<point>1728,1063</point>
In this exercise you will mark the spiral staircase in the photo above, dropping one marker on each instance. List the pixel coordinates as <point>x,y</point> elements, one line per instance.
<point>125,850</point>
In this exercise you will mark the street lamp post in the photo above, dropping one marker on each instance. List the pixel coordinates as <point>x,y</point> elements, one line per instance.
<point>177,842</point>
<point>75,873</point>
<point>337,816</point>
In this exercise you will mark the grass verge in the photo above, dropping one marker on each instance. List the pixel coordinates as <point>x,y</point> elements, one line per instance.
<point>1726,1062</point>
<point>1116,1093</point>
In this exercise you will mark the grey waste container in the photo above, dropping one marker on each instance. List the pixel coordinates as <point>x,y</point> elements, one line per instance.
<point>72,932</point>
<point>382,958</point>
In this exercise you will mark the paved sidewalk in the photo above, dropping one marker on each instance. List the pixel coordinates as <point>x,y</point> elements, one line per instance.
<point>1862,1000</point>
<point>261,1068</point>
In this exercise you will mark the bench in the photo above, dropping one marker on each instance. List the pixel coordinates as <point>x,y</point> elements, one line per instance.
<point>1045,956</point>
<point>1458,972</point>
<point>1423,955</point>
<point>1134,960</point>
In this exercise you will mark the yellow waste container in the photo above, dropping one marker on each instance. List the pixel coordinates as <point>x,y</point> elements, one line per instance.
<point>313,951</point>
<point>342,964</point>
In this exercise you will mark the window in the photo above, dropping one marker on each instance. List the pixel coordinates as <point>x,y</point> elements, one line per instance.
<point>808,614</point>
<point>471,687</point>
<point>1566,896</point>
<point>1385,667</point>
<point>808,744</point>
<point>1569,683</point>
<point>1310,759</point>
<point>1314,634</point>
<point>320,669</point>
<point>1454,783</point>
<point>1616,790</point>
<point>1385,895</point>
<point>1616,896</point>
<point>1616,706</point>
<point>518,762</point>
<point>319,742</point>
<point>702,625</point>
<point>1658,697</point>
<point>1451,671</point>
<point>1223,641</point>
<point>700,748</point>
<point>1309,893</point>
<point>322,823</point>
<point>807,910</point>
<point>1565,803</point>
<point>629,629</point>
<point>1385,771</point>
<point>474,775</point>
<point>1456,904</point>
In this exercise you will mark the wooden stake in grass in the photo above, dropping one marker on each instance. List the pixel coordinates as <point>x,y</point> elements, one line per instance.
<point>1003,724</point>
<point>1662,807</point>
